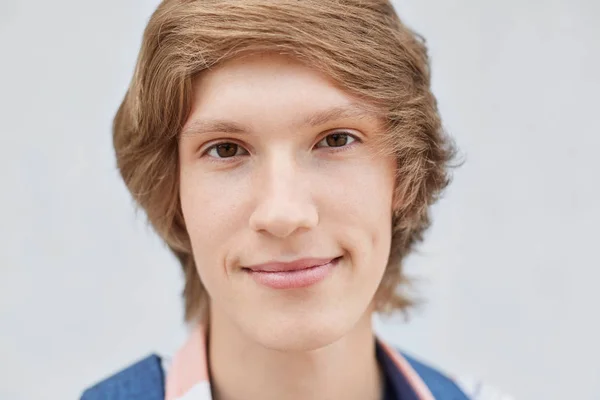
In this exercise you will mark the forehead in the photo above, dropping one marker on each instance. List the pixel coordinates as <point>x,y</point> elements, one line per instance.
<point>272,86</point>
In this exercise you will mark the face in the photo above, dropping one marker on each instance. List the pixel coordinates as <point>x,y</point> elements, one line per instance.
<point>286,201</point>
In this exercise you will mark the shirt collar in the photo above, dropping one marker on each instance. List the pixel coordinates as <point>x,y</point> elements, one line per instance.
<point>188,377</point>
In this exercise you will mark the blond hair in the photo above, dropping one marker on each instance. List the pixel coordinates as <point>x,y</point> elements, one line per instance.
<point>360,44</point>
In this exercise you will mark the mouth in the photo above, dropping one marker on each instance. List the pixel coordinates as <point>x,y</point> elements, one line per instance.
<point>293,275</point>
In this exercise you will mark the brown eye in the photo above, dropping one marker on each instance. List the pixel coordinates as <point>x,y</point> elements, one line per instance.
<point>225,150</point>
<point>336,140</point>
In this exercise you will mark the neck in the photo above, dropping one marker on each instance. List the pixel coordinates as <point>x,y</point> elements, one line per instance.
<point>243,369</point>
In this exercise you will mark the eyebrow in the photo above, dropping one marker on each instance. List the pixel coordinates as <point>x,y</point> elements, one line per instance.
<point>332,114</point>
<point>200,126</point>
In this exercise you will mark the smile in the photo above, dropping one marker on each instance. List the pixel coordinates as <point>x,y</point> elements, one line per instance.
<point>294,275</point>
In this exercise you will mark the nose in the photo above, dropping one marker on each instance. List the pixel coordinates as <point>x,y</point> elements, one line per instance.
<point>284,204</point>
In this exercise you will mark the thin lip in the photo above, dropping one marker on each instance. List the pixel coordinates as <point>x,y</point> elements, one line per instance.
<point>297,265</point>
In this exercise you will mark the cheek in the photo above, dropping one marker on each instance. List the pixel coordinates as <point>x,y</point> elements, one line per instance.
<point>362,192</point>
<point>210,201</point>
<point>211,210</point>
<point>359,208</point>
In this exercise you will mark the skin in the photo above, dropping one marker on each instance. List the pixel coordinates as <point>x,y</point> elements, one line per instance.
<point>263,180</point>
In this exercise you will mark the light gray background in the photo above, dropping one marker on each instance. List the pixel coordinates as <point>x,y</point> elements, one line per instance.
<point>510,268</point>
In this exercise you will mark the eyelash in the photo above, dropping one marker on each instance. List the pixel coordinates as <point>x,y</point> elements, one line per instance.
<point>354,138</point>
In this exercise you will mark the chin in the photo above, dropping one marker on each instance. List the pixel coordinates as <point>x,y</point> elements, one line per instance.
<point>302,334</point>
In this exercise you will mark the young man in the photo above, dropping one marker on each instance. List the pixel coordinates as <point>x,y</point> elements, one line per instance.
<point>287,152</point>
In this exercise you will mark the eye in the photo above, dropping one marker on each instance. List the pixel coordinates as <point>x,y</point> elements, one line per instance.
<point>338,139</point>
<point>225,150</point>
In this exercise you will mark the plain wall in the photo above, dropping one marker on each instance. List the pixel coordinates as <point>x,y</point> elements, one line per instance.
<point>509,268</point>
